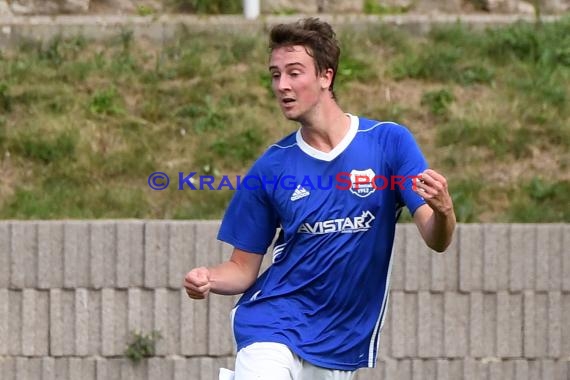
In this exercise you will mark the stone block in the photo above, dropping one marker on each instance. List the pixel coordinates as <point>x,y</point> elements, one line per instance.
<point>521,256</point>
<point>102,254</point>
<point>35,325</point>
<point>182,256</point>
<point>156,254</point>
<point>76,254</point>
<point>456,322</point>
<point>471,245</point>
<point>220,336</point>
<point>24,255</point>
<point>130,254</point>
<point>496,257</point>
<point>194,331</point>
<point>50,255</point>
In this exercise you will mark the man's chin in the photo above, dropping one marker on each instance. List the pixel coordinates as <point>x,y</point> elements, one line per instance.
<point>293,116</point>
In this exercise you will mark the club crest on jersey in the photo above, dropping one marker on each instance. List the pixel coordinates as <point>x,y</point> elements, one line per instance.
<point>361,182</point>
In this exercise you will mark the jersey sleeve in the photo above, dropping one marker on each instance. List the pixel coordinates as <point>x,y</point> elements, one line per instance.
<point>409,162</point>
<point>250,221</point>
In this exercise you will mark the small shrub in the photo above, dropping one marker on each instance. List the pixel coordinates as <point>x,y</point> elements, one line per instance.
<point>438,101</point>
<point>105,102</point>
<point>142,346</point>
<point>519,41</point>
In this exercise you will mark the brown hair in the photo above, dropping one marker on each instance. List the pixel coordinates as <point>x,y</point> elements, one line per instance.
<point>316,36</point>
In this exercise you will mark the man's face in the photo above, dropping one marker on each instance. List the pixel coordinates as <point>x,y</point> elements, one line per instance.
<point>295,82</point>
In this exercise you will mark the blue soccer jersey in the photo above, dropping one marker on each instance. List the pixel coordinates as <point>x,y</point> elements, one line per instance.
<point>325,294</point>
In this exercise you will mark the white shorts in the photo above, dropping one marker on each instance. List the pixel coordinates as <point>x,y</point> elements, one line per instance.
<point>275,361</point>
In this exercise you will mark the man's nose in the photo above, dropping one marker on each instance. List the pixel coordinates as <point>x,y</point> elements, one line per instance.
<point>283,83</point>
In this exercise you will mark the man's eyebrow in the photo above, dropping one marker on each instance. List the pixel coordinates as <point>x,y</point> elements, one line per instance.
<point>287,65</point>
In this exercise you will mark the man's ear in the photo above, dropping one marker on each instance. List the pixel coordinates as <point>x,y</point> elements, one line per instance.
<point>326,78</point>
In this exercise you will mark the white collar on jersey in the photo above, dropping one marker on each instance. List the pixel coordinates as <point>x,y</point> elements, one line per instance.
<point>341,146</point>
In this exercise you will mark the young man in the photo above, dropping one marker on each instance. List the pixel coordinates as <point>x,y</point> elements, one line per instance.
<point>318,310</point>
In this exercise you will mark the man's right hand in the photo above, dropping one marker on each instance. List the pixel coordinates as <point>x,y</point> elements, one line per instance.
<point>197,283</point>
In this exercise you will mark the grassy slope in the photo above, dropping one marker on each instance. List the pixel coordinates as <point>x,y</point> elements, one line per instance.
<point>82,125</point>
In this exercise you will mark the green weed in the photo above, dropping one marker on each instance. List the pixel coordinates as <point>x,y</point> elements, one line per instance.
<point>142,346</point>
<point>438,101</point>
<point>106,102</point>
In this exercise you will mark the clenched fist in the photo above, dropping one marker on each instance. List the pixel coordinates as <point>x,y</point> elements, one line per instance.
<point>197,283</point>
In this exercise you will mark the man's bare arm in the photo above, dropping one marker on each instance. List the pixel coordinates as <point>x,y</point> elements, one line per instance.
<point>230,277</point>
<point>436,219</point>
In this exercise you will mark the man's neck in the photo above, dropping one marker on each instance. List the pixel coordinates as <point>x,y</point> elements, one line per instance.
<point>326,128</point>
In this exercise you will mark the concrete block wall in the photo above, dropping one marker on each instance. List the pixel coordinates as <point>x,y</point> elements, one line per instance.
<point>496,306</point>
<point>161,29</point>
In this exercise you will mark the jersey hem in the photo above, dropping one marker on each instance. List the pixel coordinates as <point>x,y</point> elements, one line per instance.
<point>309,358</point>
